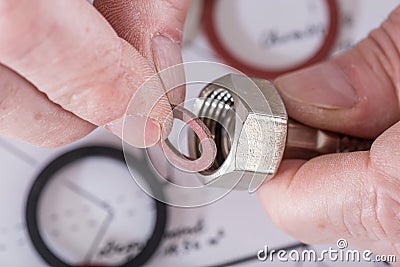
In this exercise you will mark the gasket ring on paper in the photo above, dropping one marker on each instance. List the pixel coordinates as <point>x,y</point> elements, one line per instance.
<point>209,149</point>
<point>231,59</point>
<point>46,175</point>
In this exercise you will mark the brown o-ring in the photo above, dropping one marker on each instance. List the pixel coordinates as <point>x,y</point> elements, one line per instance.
<point>209,149</point>
<point>217,43</point>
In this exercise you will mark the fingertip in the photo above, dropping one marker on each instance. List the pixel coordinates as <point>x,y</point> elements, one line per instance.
<point>147,118</point>
<point>137,131</point>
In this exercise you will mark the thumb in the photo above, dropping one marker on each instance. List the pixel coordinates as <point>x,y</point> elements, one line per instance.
<point>356,92</point>
<point>350,195</point>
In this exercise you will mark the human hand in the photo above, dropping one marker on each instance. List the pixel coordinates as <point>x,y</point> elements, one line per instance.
<point>65,70</point>
<point>355,196</point>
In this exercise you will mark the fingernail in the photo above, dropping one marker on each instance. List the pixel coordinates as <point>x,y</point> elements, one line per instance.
<point>167,53</point>
<point>137,131</point>
<point>323,86</point>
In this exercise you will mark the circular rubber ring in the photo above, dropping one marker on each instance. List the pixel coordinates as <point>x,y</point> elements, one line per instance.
<point>209,148</point>
<point>231,59</point>
<point>32,209</point>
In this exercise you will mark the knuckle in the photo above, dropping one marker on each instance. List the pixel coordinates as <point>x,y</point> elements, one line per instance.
<point>387,208</point>
<point>371,209</point>
<point>387,48</point>
<point>384,204</point>
<point>371,214</point>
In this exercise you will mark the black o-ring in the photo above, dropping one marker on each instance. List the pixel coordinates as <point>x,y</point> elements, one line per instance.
<point>47,174</point>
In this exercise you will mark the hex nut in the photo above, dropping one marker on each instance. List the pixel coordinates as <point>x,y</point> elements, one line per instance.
<point>251,135</point>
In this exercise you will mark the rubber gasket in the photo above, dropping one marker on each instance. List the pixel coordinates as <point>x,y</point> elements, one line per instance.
<point>32,209</point>
<point>218,45</point>
<point>209,149</point>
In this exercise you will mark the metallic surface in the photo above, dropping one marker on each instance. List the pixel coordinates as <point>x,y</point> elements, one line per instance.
<point>305,142</point>
<point>253,134</point>
<point>249,126</point>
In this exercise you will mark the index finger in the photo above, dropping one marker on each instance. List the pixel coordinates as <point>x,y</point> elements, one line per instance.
<point>74,56</point>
